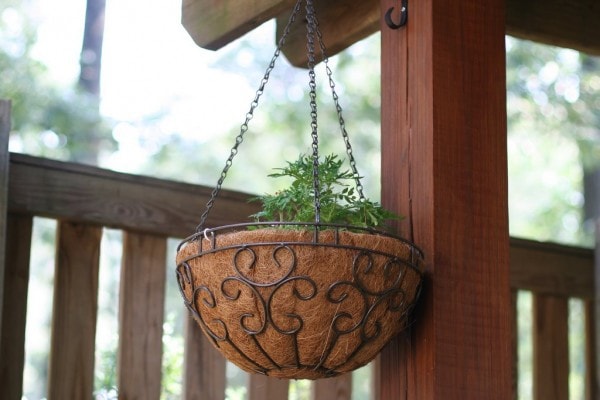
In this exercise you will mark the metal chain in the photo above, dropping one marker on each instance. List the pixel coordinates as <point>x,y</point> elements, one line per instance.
<point>312,31</point>
<point>355,174</point>
<point>310,44</point>
<point>249,115</point>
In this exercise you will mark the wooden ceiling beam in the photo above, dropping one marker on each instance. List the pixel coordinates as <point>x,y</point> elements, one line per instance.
<point>214,23</point>
<point>342,23</point>
<point>572,24</point>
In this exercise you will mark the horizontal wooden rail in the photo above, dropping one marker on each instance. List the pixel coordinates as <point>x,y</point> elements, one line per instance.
<point>552,269</point>
<point>76,192</point>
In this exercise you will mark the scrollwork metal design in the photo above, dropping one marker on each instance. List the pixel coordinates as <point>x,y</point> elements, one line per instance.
<point>266,298</point>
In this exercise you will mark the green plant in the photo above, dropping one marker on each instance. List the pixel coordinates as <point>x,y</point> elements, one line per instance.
<point>339,202</point>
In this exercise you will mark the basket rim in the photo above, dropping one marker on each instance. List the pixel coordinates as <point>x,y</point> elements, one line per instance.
<point>316,228</point>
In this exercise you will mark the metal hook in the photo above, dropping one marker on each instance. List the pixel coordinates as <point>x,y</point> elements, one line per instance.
<point>403,16</point>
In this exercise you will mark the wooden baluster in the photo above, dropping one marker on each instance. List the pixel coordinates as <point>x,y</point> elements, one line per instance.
<point>591,382</point>
<point>71,374</point>
<point>515,343</point>
<point>550,348</point>
<point>141,314</point>
<point>204,375</point>
<point>338,388</point>
<point>14,314</point>
<point>262,387</point>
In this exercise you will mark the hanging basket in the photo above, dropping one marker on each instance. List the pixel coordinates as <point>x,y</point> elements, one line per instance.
<point>299,300</point>
<point>299,303</point>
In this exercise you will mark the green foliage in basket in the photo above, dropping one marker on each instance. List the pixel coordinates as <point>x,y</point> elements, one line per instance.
<point>339,200</point>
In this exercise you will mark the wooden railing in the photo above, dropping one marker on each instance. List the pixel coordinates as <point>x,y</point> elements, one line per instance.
<point>85,199</point>
<point>554,274</point>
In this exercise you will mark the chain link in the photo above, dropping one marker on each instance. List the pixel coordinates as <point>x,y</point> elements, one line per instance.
<point>249,115</point>
<point>310,44</point>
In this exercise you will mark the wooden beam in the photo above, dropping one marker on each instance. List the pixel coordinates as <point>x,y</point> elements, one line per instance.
<point>549,268</point>
<point>572,24</point>
<point>71,366</point>
<point>444,167</point>
<point>341,22</point>
<point>77,192</point>
<point>214,23</point>
<point>141,310</point>
<point>14,315</point>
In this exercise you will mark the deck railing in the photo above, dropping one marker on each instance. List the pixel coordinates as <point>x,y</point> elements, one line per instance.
<point>85,199</point>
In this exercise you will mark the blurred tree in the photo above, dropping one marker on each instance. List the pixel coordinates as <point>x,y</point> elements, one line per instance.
<point>47,119</point>
<point>553,130</point>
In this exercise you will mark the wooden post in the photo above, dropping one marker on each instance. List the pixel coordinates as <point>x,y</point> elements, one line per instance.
<point>444,168</point>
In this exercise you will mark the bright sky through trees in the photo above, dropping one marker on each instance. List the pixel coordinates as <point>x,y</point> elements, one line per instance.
<point>149,62</point>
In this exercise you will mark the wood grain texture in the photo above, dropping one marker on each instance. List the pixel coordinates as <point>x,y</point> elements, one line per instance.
<point>262,387</point>
<point>82,193</point>
<point>550,268</point>
<point>338,388</point>
<point>573,24</point>
<point>550,348</point>
<point>14,314</point>
<point>71,370</point>
<point>204,367</point>
<point>214,23</point>
<point>5,107</point>
<point>444,167</point>
<point>141,311</point>
<point>341,22</point>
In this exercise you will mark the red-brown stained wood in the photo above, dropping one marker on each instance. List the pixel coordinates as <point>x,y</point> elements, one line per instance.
<point>141,312</point>
<point>71,371</point>
<point>16,278</point>
<point>214,23</point>
<point>550,348</point>
<point>444,167</point>
<point>261,387</point>
<point>204,374</point>
<point>338,388</point>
